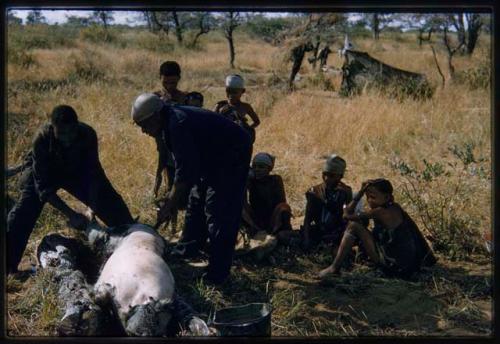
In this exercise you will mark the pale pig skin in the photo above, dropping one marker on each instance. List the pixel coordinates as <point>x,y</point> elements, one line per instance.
<point>136,271</point>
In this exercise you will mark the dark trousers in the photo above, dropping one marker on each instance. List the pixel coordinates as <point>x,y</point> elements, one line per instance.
<point>195,221</point>
<point>170,176</point>
<point>21,220</point>
<point>214,211</point>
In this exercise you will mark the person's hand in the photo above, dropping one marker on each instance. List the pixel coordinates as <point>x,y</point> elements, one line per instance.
<point>156,187</point>
<point>364,186</point>
<point>165,212</point>
<point>78,221</point>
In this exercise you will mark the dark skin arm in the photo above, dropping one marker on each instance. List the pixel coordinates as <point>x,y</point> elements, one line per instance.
<point>255,118</point>
<point>349,209</point>
<point>307,225</point>
<point>75,219</point>
<point>174,200</point>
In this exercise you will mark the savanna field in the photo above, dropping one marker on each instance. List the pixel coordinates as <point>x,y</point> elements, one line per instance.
<point>436,152</point>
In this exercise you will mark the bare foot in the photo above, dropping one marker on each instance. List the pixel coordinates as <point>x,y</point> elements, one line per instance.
<point>328,271</point>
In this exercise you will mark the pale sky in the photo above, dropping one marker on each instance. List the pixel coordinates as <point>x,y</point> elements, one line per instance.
<point>121,17</point>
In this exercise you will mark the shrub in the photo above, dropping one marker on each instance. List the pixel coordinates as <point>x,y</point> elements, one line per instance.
<point>475,78</point>
<point>267,28</point>
<point>97,34</point>
<point>86,67</point>
<point>319,80</point>
<point>40,37</point>
<point>22,58</point>
<point>441,195</point>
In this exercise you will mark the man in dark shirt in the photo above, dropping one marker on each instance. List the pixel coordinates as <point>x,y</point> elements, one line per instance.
<point>209,147</point>
<point>64,156</point>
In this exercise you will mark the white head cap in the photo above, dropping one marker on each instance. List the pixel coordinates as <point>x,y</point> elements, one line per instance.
<point>265,159</point>
<point>235,81</point>
<point>334,164</point>
<point>145,106</point>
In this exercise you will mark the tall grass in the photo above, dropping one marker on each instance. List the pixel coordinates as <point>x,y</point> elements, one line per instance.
<point>100,80</point>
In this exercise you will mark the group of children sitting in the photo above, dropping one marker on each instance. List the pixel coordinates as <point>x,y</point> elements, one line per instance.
<point>333,215</point>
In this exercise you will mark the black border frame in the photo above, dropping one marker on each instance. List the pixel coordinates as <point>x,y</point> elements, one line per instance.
<point>488,6</point>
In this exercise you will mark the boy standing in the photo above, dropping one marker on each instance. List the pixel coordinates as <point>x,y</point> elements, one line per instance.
<point>236,110</point>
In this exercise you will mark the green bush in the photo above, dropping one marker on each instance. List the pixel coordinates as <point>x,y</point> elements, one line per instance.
<point>39,36</point>
<point>86,67</point>
<point>475,78</point>
<point>267,28</point>
<point>318,80</point>
<point>441,195</point>
<point>21,57</point>
<point>97,34</point>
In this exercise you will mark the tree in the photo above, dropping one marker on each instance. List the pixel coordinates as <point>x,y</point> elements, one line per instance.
<point>77,21</point>
<point>231,21</point>
<point>474,24</point>
<point>377,22</point>
<point>204,23</point>
<point>103,17</point>
<point>468,26</point>
<point>425,24</point>
<point>451,50</point>
<point>178,27</point>
<point>13,20</point>
<point>35,17</point>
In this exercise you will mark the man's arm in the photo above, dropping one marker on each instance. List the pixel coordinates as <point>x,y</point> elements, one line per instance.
<point>187,169</point>
<point>94,171</point>
<point>46,191</point>
<point>41,168</point>
<point>281,189</point>
<point>75,219</point>
<point>162,163</point>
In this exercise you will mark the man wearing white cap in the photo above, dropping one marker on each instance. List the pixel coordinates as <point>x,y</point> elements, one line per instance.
<point>208,147</point>
<point>323,219</point>
<point>236,110</point>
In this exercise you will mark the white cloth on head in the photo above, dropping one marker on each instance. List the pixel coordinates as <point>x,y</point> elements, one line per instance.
<point>264,158</point>
<point>334,164</point>
<point>235,81</point>
<point>145,106</point>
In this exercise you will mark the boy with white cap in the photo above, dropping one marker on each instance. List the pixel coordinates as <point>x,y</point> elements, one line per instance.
<point>236,110</point>
<point>325,202</point>
<point>266,208</point>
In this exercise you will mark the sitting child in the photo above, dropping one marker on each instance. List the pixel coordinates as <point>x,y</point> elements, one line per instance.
<point>266,208</point>
<point>194,99</point>
<point>236,110</point>
<point>323,221</point>
<point>395,244</point>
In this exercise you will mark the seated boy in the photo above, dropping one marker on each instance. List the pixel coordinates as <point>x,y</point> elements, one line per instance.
<point>395,244</point>
<point>323,220</point>
<point>266,208</point>
<point>236,110</point>
<point>194,99</point>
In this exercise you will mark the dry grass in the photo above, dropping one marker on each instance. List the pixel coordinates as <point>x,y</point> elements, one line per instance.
<point>298,128</point>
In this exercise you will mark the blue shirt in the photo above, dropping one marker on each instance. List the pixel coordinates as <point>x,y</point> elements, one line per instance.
<point>204,144</point>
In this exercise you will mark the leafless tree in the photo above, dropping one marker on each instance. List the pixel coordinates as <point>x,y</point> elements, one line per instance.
<point>103,17</point>
<point>204,25</point>
<point>468,27</point>
<point>231,22</point>
<point>451,50</point>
